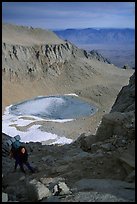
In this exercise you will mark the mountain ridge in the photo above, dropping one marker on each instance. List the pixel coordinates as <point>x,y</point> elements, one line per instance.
<point>117,45</point>
<point>24,35</point>
<point>92,35</point>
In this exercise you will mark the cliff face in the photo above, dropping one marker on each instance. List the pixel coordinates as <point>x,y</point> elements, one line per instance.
<point>121,119</point>
<point>125,101</point>
<point>116,132</point>
<point>35,61</point>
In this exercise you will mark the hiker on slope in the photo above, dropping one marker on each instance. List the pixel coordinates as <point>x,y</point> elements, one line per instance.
<point>20,154</point>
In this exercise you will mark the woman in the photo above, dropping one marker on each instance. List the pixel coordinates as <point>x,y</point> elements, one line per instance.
<point>21,157</point>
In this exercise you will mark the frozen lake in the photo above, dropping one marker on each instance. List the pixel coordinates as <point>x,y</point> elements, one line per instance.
<point>24,118</point>
<point>54,107</point>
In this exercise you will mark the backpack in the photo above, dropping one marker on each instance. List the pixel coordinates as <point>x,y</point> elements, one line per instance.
<point>16,142</point>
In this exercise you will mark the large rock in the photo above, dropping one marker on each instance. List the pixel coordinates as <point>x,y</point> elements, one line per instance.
<point>37,191</point>
<point>121,119</point>
<point>117,123</point>
<point>128,155</point>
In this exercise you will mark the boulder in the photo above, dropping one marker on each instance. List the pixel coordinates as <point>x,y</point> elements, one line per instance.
<point>37,191</point>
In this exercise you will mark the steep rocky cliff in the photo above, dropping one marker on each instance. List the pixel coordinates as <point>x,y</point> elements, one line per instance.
<point>121,119</point>
<point>38,60</point>
<point>117,130</point>
<point>125,101</point>
<point>119,124</point>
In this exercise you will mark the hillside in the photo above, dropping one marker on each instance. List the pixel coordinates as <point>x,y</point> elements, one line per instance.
<point>21,35</point>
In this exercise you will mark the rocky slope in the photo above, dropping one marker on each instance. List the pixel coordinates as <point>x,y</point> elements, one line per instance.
<point>99,57</point>
<point>94,168</point>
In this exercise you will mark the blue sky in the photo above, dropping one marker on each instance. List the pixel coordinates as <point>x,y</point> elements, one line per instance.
<point>62,15</point>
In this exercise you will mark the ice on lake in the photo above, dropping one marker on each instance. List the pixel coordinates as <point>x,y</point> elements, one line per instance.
<point>61,108</point>
<point>54,107</point>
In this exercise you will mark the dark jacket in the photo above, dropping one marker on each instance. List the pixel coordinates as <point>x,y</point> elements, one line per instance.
<point>17,153</point>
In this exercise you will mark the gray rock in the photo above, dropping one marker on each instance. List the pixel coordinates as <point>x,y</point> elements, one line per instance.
<point>126,98</point>
<point>4,197</point>
<point>37,190</point>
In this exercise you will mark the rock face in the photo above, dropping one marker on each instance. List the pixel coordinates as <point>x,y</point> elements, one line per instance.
<point>117,130</point>
<point>36,60</point>
<point>125,101</point>
<point>99,57</point>
<point>121,119</point>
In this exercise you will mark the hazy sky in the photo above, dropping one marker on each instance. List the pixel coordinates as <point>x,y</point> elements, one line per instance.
<point>62,15</point>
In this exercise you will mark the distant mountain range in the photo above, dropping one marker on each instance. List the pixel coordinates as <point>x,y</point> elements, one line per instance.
<point>103,35</point>
<point>117,45</point>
